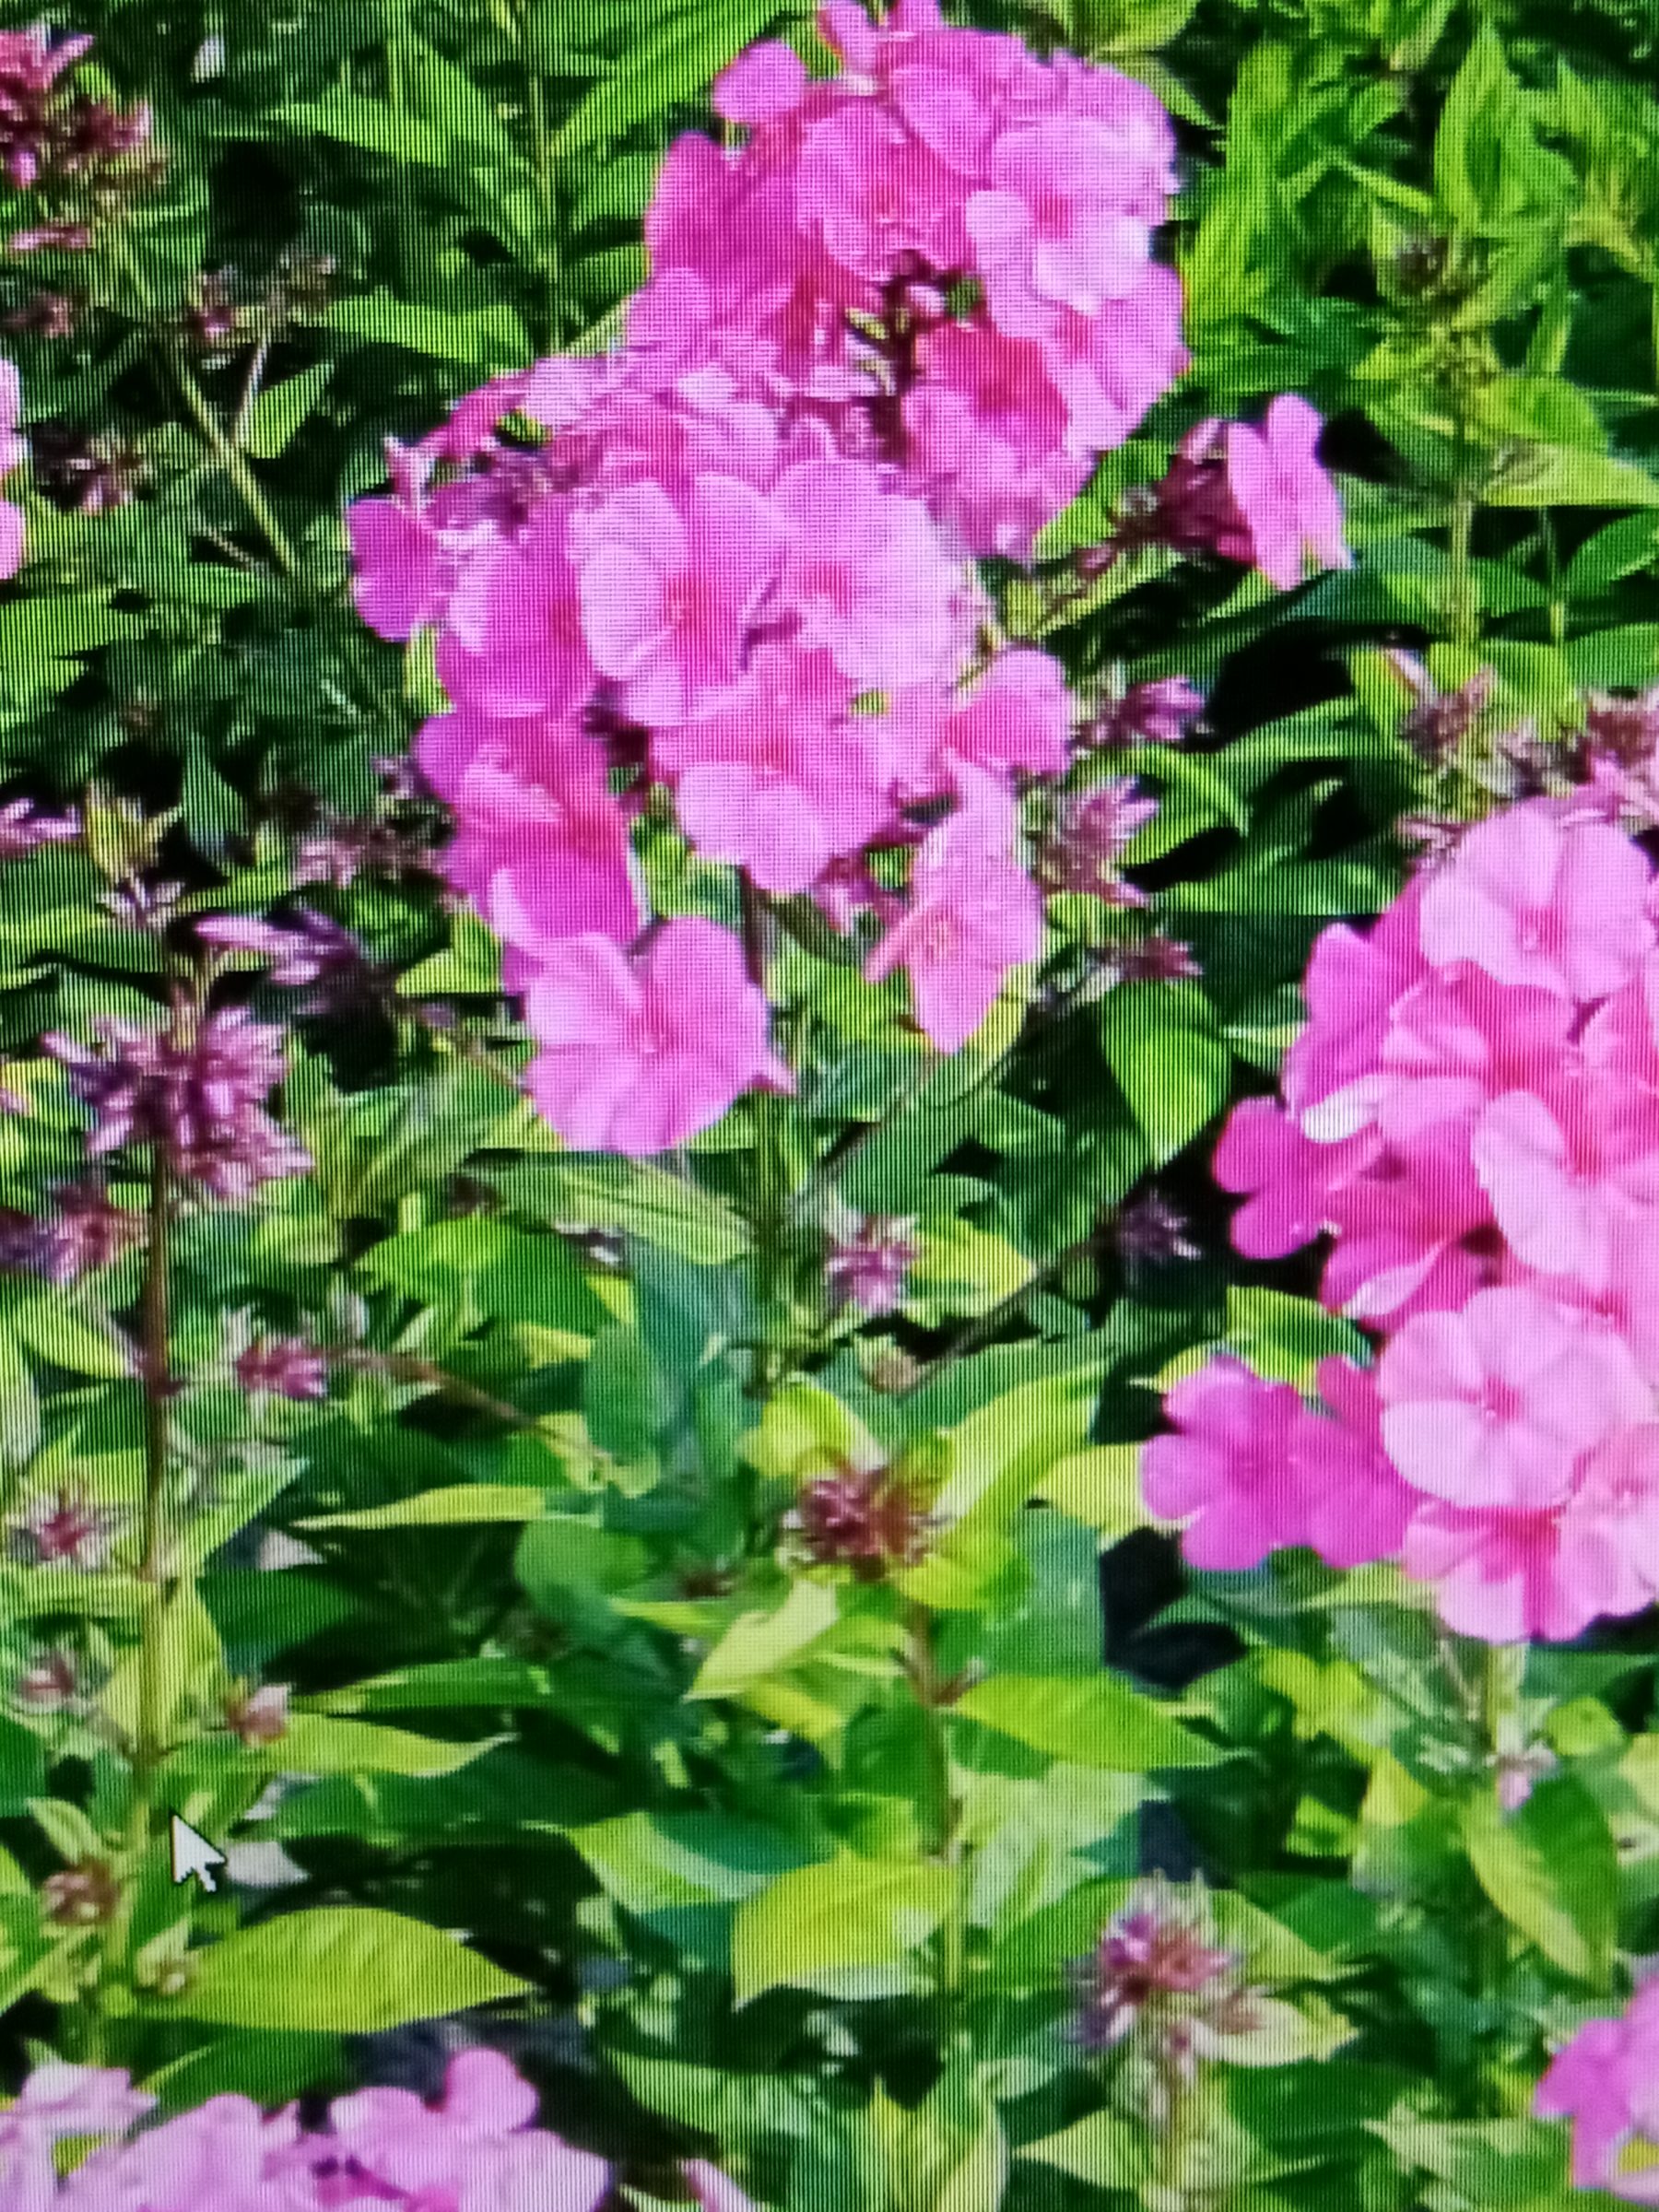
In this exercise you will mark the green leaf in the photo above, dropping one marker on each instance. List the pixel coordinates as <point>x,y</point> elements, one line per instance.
<point>442,1683</point>
<point>1094,1722</point>
<point>1109,2152</point>
<point>1620,549</point>
<point>316,1742</point>
<point>849,1927</point>
<point>456,1505</point>
<point>661,1862</point>
<point>663,70</point>
<point>369,125</point>
<point>1162,1042</point>
<point>493,1270</point>
<point>762,1643</point>
<point>1551,1869</point>
<point>279,412</point>
<point>491,338</point>
<point>351,1970</point>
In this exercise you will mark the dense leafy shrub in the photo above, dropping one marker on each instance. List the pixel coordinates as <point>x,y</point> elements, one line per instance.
<point>830,1085</point>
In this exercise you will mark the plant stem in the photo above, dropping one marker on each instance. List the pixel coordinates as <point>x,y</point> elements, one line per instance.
<point>944,1812</point>
<point>1462,616</point>
<point>1557,605</point>
<point>987,1325</point>
<point>541,159</point>
<point>148,1745</point>
<point>242,476</point>
<point>403,1367</point>
<point>754,931</point>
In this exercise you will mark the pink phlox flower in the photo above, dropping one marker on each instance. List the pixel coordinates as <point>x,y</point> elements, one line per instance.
<point>1285,1177</point>
<point>1111,366</point>
<point>542,847</point>
<point>765,82</point>
<point>986,429</point>
<point>1414,1233</point>
<point>1495,1406</point>
<point>974,915</point>
<point>1556,1161</point>
<point>1592,2081</point>
<point>639,1056</point>
<point>1227,1473</point>
<point>1536,902</point>
<point>875,194</point>
<point>1353,984</point>
<point>1051,230</point>
<point>514,642</point>
<point>670,589</point>
<point>867,578</point>
<point>1356,1508</point>
<point>715,2191</point>
<point>1018,715</point>
<point>1287,502</point>
<point>783,780</point>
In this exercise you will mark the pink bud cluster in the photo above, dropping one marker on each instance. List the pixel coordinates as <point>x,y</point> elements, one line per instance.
<point>48,131</point>
<point>477,2149</point>
<point>1471,1116</point>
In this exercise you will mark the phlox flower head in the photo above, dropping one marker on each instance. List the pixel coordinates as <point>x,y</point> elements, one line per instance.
<point>640,1055</point>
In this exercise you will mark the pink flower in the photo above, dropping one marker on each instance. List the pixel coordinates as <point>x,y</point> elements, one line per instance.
<point>1357,1507</point>
<point>974,915</point>
<point>764,83</point>
<point>866,576</point>
<point>1603,2081</point>
<point>1494,1406</point>
<point>1111,366</point>
<point>401,578</point>
<point>1288,503</point>
<point>1352,986</point>
<point>872,193</point>
<point>1287,1178</point>
<point>669,589</point>
<point>1413,1230</point>
<point>639,1056</point>
<point>543,847</point>
<point>514,642</point>
<point>785,778</point>
<point>1227,1474</point>
<point>1534,900</point>
<point>715,2191</point>
<point>1051,230</point>
<point>987,428</point>
<point>11,451</point>
<point>1551,1165</point>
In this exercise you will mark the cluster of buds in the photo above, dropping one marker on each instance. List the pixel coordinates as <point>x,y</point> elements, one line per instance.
<point>195,1090</point>
<point>65,1529</point>
<point>1093,831</point>
<point>869,1259</point>
<point>873,1520</point>
<point>86,1230</point>
<point>225,314</point>
<point>1158,1977</point>
<point>83,473</point>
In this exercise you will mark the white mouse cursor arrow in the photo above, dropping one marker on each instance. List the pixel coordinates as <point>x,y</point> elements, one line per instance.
<point>192,1854</point>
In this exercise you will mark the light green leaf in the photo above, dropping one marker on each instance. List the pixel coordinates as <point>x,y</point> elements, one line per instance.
<point>457,1504</point>
<point>1095,1722</point>
<point>1162,1042</point>
<point>1551,1869</point>
<point>851,1926</point>
<point>354,1970</point>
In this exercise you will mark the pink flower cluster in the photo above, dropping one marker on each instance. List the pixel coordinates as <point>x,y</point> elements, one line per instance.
<point>731,565</point>
<point>945,251</point>
<point>476,2150</point>
<point>1471,1116</point>
<point>1606,2081</point>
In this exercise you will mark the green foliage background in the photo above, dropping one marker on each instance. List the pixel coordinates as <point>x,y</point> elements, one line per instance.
<point>741,1858</point>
